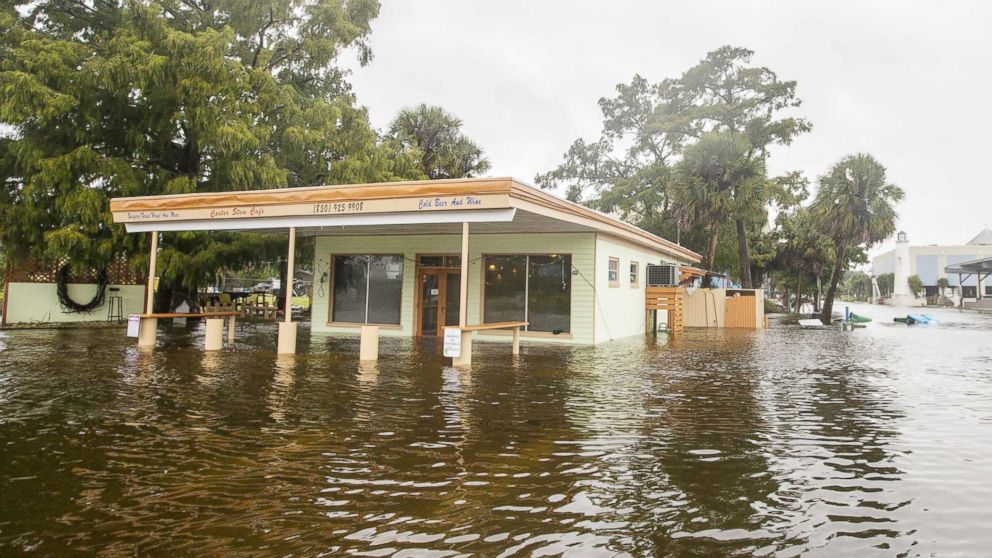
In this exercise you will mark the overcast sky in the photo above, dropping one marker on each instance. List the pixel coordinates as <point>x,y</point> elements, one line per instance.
<point>909,82</point>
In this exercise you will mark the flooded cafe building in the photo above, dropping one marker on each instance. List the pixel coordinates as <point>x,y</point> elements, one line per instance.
<point>414,257</point>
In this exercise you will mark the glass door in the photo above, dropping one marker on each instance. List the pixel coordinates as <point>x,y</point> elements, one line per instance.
<point>430,297</point>
<point>439,300</point>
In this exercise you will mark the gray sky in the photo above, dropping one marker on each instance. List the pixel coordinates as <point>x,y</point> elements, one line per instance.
<point>908,82</point>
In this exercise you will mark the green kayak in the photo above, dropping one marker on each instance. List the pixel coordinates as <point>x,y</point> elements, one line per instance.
<point>856,319</point>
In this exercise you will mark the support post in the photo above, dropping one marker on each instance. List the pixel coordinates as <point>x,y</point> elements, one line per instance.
<point>230,329</point>
<point>6,295</point>
<point>288,287</point>
<point>466,352</point>
<point>150,297</point>
<point>214,340</point>
<point>516,340</point>
<point>463,290</point>
<point>369,348</point>
<point>147,329</point>
<point>287,328</point>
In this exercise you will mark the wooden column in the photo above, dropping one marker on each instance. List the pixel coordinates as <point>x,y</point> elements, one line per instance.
<point>214,340</point>
<point>368,349</point>
<point>288,287</point>
<point>287,328</point>
<point>150,298</point>
<point>466,337</point>
<point>463,293</point>
<point>6,295</point>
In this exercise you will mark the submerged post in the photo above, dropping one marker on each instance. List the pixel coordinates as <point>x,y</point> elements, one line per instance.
<point>147,326</point>
<point>287,328</point>
<point>465,358</point>
<point>150,294</point>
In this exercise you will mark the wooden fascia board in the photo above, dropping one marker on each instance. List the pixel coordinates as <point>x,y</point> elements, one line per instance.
<point>529,199</point>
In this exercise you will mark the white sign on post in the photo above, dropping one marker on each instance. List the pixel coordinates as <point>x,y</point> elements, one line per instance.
<point>452,342</point>
<point>133,323</point>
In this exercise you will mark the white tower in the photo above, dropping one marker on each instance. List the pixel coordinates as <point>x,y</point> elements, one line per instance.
<point>901,295</point>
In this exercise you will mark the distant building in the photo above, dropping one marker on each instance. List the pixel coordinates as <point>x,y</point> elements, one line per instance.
<point>928,262</point>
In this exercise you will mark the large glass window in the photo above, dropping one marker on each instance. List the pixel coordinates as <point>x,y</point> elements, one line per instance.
<point>535,289</point>
<point>367,289</point>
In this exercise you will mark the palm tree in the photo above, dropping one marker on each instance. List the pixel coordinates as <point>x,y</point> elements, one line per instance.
<point>716,181</point>
<point>854,207</point>
<point>444,151</point>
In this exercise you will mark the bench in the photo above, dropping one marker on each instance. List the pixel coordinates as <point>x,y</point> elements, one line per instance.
<point>466,340</point>
<point>215,327</point>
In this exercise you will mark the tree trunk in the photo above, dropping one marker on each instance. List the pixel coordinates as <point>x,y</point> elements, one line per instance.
<point>711,253</point>
<point>799,293</point>
<point>828,303</point>
<point>819,291</point>
<point>744,254</point>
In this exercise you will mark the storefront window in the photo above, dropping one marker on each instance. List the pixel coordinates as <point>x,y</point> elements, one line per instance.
<point>506,287</point>
<point>367,289</point>
<point>535,289</point>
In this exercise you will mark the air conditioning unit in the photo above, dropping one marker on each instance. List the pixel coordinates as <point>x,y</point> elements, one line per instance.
<point>663,275</point>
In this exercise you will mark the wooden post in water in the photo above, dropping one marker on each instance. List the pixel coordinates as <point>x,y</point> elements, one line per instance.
<point>465,358</point>
<point>287,328</point>
<point>147,327</point>
<point>150,296</point>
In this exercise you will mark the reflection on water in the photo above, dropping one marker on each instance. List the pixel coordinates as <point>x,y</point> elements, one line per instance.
<point>778,442</point>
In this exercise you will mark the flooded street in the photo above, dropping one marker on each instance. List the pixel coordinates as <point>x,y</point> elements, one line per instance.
<point>779,442</point>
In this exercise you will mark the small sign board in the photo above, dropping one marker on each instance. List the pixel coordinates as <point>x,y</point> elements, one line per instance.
<point>133,323</point>
<point>452,342</point>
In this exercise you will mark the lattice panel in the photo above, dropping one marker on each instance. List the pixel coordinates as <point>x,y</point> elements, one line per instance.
<point>119,272</point>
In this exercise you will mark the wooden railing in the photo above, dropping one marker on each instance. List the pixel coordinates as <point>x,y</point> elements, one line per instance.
<point>670,299</point>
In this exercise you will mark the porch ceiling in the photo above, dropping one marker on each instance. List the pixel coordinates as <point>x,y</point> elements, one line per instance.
<point>523,222</point>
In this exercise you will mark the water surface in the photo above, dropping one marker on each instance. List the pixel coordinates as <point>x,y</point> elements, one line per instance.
<point>779,442</point>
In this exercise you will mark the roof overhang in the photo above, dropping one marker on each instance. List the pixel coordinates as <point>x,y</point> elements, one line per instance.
<point>980,266</point>
<point>391,207</point>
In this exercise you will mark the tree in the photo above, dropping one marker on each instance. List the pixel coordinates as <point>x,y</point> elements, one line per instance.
<point>803,252</point>
<point>630,168</point>
<point>714,182</point>
<point>444,151</point>
<point>943,284</point>
<point>111,99</point>
<point>855,208</point>
<point>886,282</point>
<point>857,285</point>
<point>729,95</point>
<point>915,285</point>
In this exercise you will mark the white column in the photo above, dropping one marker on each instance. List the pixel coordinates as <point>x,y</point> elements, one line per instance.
<point>288,287</point>
<point>150,296</point>
<point>463,293</point>
<point>287,328</point>
<point>466,337</point>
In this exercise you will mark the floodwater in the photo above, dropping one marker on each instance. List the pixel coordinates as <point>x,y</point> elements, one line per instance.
<point>779,442</point>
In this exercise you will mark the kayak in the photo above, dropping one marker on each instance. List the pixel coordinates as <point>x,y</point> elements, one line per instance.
<point>854,318</point>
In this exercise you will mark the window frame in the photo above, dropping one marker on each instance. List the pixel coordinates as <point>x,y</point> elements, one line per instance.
<point>614,282</point>
<point>330,291</point>
<point>524,331</point>
<point>635,274</point>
